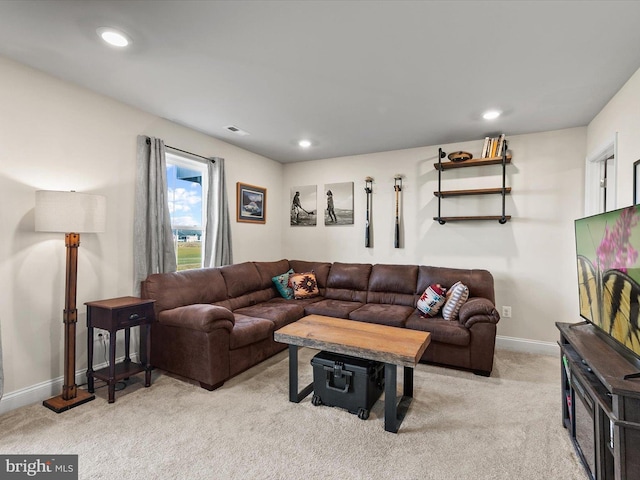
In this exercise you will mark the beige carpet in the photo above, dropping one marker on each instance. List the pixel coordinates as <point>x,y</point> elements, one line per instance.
<point>459,426</point>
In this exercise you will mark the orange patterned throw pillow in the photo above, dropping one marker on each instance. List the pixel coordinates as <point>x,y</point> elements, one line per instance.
<point>304,285</point>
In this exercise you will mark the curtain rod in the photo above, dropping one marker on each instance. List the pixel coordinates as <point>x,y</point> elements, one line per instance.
<point>184,151</point>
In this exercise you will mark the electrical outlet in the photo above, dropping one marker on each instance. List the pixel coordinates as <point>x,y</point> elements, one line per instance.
<point>100,336</point>
<point>506,312</point>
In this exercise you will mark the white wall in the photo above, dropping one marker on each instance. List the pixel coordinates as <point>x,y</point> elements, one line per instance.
<point>54,135</point>
<point>532,257</point>
<point>621,115</point>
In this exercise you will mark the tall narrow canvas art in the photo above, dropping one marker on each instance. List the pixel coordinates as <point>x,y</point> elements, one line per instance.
<point>339,206</point>
<point>303,201</point>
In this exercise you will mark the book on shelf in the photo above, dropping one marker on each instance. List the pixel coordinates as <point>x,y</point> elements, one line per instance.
<point>493,146</point>
<point>485,147</point>
<point>500,146</point>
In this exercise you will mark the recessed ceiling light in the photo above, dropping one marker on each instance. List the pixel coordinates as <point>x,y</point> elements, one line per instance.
<point>113,37</point>
<point>304,143</point>
<point>491,114</point>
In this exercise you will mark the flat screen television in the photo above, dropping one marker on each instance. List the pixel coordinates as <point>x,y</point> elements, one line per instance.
<point>607,248</point>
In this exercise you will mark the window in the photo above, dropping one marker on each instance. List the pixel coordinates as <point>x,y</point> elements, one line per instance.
<point>601,179</point>
<point>187,205</point>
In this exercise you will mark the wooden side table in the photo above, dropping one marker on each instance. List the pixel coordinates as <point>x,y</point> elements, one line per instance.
<point>112,315</point>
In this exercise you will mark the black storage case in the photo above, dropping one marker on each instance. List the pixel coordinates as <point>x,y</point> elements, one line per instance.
<point>352,383</point>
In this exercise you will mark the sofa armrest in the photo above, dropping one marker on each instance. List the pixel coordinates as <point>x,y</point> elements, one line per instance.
<point>478,309</point>
<point>200,316</point>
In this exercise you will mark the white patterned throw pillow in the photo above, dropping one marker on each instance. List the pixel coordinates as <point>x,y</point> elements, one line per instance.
<point>456,296</point>
<point>431,300</point>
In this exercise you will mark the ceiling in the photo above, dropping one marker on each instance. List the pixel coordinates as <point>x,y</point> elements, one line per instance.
<point>354,77</point>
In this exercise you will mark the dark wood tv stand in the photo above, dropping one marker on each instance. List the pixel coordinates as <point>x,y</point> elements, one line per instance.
<point>600,408</point>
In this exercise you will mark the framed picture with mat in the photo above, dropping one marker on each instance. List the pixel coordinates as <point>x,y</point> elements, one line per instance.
<point>251,205</point>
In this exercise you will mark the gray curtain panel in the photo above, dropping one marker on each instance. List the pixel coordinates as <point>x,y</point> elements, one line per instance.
<point>153,250</point>
<point>217,237</point>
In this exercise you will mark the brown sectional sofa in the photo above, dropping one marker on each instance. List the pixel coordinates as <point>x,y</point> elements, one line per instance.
<point>214,323</point>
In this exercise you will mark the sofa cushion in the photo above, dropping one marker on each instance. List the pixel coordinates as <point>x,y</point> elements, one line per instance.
<point>441,330</point>
<point>241,278</point>
<point>245,286</point>
<point>268,270</point>
<point>177,289</point>
<point>281,283</point>
<point>393,284</point>
<point>332,308</point>
<point>348,282</point>
<point>248,330</point>
<point>203,317</point>
<point>252,298</point>
<point>303,301</point>
<point>321,269</point>
<point>304,285</point>
<point>392,315</point>
<point>456,296</point>
<point>280,314</point>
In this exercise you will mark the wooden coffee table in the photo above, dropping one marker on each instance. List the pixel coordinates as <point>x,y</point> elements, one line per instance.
<point>391,345</point>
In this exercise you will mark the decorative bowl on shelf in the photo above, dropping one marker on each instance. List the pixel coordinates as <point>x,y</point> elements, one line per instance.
<point>459,156</point>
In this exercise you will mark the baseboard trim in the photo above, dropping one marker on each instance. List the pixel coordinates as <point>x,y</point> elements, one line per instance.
<point>527,346</point>
<point>43,390</point>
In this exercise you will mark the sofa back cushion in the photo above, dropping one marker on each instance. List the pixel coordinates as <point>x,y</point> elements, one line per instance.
<point>393,284</point>
<point>177,289</point>
<point>268,270</point>
<point>480,282</point>
<point>244,285</point>
<point>321,269</point>
<point>348,282</point>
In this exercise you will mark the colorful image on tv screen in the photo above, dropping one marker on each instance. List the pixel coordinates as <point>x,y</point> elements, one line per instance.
<point>607,247</point>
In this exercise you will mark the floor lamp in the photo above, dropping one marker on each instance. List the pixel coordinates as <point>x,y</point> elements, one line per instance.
<point>70,213</point>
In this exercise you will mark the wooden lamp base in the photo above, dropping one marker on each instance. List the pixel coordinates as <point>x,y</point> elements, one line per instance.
<point>59,404</point>
<point>71,396</point>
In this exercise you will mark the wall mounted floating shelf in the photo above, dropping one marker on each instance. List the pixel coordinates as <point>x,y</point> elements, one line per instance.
<point>473,162</point>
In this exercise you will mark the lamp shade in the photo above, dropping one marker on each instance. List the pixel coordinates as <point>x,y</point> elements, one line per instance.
<point>69,212</point>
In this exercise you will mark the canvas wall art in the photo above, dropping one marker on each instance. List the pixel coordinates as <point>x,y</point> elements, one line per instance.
<point>339,203</point>
<point>303,201</point>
